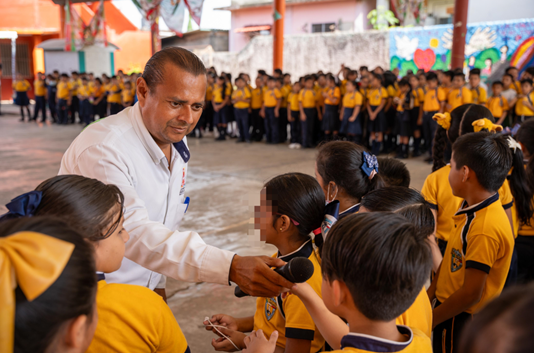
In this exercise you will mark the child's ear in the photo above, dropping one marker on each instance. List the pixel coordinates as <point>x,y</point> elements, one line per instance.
<point>467,173</point>
<point>75,332</point>
<point>339,294</point>
<point>283,223</point>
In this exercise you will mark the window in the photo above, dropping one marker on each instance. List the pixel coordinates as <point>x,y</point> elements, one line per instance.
<point>323,27</point>
<point>23,59</point>
<point>445,20</point>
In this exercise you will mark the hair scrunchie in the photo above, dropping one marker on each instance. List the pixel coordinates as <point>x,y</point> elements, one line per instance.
<point>370,165</point>
<point>33,262</point>
<point>486,124</point>
<point>443,120</point>
<point>24,205</point>
<point>513,144</point>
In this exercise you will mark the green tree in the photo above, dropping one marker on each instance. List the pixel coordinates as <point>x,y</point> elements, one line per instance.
<point>380,18</point>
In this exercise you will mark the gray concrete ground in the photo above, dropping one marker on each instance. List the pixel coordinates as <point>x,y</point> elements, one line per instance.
<point>223,183</point>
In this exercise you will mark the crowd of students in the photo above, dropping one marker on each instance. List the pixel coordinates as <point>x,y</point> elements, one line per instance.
<point>373,108</point>
<point>81,94</point>
<point>374,244</point>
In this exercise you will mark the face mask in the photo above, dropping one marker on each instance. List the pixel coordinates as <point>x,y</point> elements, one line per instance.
<point>334,192</point>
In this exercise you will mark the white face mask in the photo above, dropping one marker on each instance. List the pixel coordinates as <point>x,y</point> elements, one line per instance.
<point>334,193</point>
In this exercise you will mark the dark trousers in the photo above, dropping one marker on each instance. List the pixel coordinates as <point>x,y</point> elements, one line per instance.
<point>115,108</point>
<point>296,135</point>
<point>74,108</point>
<point>524,246</point>
<point>282,124</point>
<point>447,335</point>
<point>429,130</point>
<point>63,111</point>
<point>271,125</point>
<point>241,117</point>
<point>86,112</point>
<point>40,105</point>
<point>258,127</point>
<point>52,105</point>
<point>100,109</point>
<point>207,117</point>
<point>308,127</point>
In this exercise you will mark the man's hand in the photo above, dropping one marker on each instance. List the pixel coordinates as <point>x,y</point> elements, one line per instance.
<point>256,342</point>
<point>222,344</point>
<point>221,320</point>
<point>255,277</point>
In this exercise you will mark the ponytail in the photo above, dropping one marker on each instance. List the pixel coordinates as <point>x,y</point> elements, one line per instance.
<point>438,148</point>
<point>519,184</point>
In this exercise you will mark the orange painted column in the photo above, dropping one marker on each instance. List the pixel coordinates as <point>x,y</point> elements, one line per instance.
<point>278,34</point>
<point>61,21</point>
<point>458,34</point>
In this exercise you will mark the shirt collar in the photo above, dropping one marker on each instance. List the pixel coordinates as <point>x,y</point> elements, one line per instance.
<point>100,276</point>
<point>304,251</point>
<point>377,344</point>
<point>479,206</point>
<point>350,210</point>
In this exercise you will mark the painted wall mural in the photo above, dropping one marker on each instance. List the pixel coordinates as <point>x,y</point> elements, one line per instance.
<point>491,47</point>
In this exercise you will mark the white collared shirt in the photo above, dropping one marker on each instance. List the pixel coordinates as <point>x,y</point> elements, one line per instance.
<point>119,150</point>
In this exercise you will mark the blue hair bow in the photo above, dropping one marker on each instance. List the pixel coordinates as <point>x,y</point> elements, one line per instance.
<point>23,205</point>
<point>370,165</point>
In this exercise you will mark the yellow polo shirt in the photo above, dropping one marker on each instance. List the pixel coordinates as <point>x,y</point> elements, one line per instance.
<point>289,316</point>
<point>271,96</point>
<point>257,98</point>
<point>375,96</point>
<point>84,91</point>
<point>21,86</point>
<point>458,97</point>
<point>481,239</point>
<point>293,101</point>
<point>209,93</point>
<point>285,90</point>
<point>479,95</point>
<point>433,99</point>
<point>392,92</point>
<point>241,93</point>
<point>521,109</point>
<point>319,94</point>
<point>127,96</point>
<point>421,91</point>
<point>63,90</point>
<point>134,319</point>
<point>335,93</point>
<point>217,94</point>
<point>97,92</point>
<point>350,100</point>
<point>308,98</point>
<point>400,106</point>
<point>40,88</point>
<point>114,93</point>
<point>419,314</point>
<point>497,106</point>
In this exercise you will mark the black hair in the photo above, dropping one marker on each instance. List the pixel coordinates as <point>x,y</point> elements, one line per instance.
<point>353,72</point>
<point>391,198</point>
<point>525,135</point>
<point>308,77</point>
<point>223,88</point>
<point>462,119</point>
<point>378,77</point>
<point>65,75</point>
<point>508,75</point>
<point>262,72</point>
<point>98,80</point>
<point>239,78</point>
<point>431,76</point>
<point>487,154</point>
<point>510,68</point>
<point>271,78</point>
<point>527,80</point>
<point>459,74</point>
<point>389,79</point>
<point>74,73</point>
<point>495,83</point>
<point>510,312</point>
<point>341,162</point>
<point>364,68</point>
<point>394,172</point>
<point>383,259</point>
<point>474,72</point>
<point>278,71</point>
<point>38,322</point>
<point>300,197</point>
<point>154,71</point>
<point>530,70</point>
<point>287,75</point>
<point>449,74</point>
<point>86,203</point>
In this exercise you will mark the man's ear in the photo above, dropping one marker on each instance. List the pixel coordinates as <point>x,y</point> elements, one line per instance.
<point>142,91</point>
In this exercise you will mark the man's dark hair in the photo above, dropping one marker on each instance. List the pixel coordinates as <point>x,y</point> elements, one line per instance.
<point>182,58</point>
<point>394,172</point>
<point>487,154</point>
<point>497,83</point>
<point>431,76</point>
<point>382,258</point>
<point>475,72</point>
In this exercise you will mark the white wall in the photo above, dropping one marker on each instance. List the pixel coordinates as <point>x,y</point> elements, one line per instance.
<point>64,62</point>
<point>97,60</point>
<point>499,10</point>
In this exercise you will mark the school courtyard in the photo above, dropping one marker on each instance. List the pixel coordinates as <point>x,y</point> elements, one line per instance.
<point>223,182</point>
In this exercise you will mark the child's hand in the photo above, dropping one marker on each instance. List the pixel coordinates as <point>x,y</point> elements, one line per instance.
<point>221,320</point>
<point>303,117</point>
<point>256,342</point>
<point>276,113</point>
<point>224,345</point>
<point>353,118</point>
<point>302,290</point>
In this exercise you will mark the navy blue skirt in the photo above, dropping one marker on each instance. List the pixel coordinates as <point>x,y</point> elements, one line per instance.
<point>379,124</point>
<point>404,124</point>
<point>22,99</point>
<point>350,127</point>
<point>330,118</point>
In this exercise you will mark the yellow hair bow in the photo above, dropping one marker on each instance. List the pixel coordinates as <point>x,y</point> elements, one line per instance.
<point>486,124</point>
<point>443,120</point>
<point>33,262</point>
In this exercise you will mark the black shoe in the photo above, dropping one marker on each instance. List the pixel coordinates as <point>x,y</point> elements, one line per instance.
<point>416,154</point>
<point>429,159</point>
<point>220,138</point>
<point>239,141</point>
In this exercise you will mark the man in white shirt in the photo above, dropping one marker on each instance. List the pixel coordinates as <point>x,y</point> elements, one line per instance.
<point>143,151</point>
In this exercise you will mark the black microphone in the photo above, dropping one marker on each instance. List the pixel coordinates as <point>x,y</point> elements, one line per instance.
<point>297,270</point>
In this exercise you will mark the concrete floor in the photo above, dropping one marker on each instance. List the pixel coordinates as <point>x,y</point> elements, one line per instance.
<point>223,183</point>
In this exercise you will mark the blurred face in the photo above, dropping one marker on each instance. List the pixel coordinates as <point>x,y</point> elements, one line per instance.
<point>309,84</point>
<point>497,90</point>
<point>287,80</point>
<point>507,81</point>
<point>240,83</point>
<point>396,71</point>
<point>414,82</point>
<point>110,251</point>
<point>259,82</point>
<point>526,88</point>
<point>350,87</point>
<point>364,82</point>
<point>263,218</point>
<point>321,81</point>
<point>474,80</point>
<point>331,83</point>
<point>514,73</point>
<point>432,84</point>
<point>404,89</point>
<point>375,82</point>
<point>271,84</point>
<point>171,109</point>
<point>458,82</point>
<point>296,88</point>
<point>422,81</point>
<point>379,70</point>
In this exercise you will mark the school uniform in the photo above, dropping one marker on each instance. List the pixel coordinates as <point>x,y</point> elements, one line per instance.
<point>127,98</point>
<point>99,108</point>
<point>497,106</point>
<point>219,117</point>
<point>293,105</point>
<point>63,95</point>
<point>524,245</point>
<point>331,116</point>
<point>206,119</point>
<point>256,102</point>
<point>114,98</point>
<point>134,319</point>
<point>352,128</point>
<point>516,86</point>
<point>74,101</point>
<point>86,107</point>
<point>416,103</point>
<point>21,93</point>
<point>481,238</point>
<point>391,119</point>
<point>416,342</point>
<point>40,99</point>
<point>458,97</point>
<point>51,90</point>
<point>403,123</point>
<point>282,116</point>
<point>375,97</point>
<point>241,113</point>
<point>438,193</point>
<point>270,100</point>
<point>523,112</point>
<point>289,316</point>
<point>308,99</point>
<point>431,105</point>
<point>229,107</point>
<point>419,314</point>
<point>479,95</point>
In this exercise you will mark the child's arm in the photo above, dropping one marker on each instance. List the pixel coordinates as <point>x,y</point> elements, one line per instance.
<point>331,326</point>
<point>262,110</point>
<point>502,118</point>
<point>294,345</point>
<point>256,342</point>
<point>243,324</point>
<point>277,108</point>
<point>420,117</point>
<point>464,298</point>
<point>355,113</point>
<point>389,102</point>
<point>508,212</point>
<point>341,114</point>
<point>289,118</point>
<point>527,104</point>
<point>319,110</point>
<point>431,291</point>
<point>302,115</point>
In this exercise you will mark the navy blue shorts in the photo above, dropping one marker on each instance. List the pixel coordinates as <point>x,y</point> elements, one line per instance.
<point>404,124</point>
<point>379,124</point>
<point>330,119</point>
<point>350,127</point>
<point>219,117</point>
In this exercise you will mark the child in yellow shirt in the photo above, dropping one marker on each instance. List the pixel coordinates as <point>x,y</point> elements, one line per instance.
<point>21,88</point>
<point>376,102</point>
<point>270,111</point>
<point>434,101</point>
<point>220,100</point>
<point>310,113</point>
<point>40,96</point>
<point>241,100</point>
<point>477,92</point>
<point>86,107</point>
<point>256,102</point>
<point>332,97</point>
<point>63,99</point>
<point>497,104</point>
<point>404,103</point>
<point>114,96</point>
<point>350,117</point>
<point>282,113</point>
<point>524,108</point>
<point>459,94</point>
<point>293,116</point>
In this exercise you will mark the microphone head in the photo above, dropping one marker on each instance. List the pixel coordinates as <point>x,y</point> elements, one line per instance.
<point>301,269</point>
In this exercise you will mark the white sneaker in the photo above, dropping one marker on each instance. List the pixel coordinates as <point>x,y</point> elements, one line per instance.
<point>291,145</point>
<point>297,146</point>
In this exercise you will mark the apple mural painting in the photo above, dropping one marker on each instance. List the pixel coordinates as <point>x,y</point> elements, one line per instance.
<point>424,59</point>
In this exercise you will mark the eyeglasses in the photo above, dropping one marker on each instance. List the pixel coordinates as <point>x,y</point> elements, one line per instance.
<point>292,220</point>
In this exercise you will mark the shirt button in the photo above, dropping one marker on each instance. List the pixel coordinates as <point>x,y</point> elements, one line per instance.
<point>455,226</point>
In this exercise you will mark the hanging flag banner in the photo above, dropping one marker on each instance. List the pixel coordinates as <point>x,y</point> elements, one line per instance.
<point>195,9</point>
<point>74,29</point>
<point>95,32</point>
<point>173,13</point>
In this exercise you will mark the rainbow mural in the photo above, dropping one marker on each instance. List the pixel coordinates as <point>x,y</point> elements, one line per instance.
<point>490,46</point>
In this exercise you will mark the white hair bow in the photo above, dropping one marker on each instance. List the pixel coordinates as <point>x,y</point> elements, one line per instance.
<point>513,144</point>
